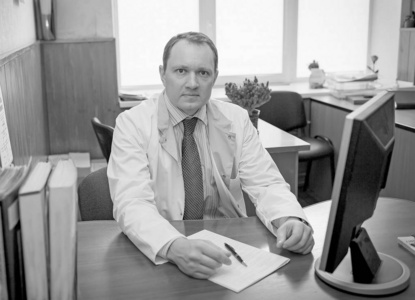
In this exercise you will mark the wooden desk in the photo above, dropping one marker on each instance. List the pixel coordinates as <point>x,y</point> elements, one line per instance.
<point>111,267</point>
<point>283,148</point>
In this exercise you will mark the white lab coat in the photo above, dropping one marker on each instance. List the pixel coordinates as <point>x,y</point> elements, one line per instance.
<point>145,174</point>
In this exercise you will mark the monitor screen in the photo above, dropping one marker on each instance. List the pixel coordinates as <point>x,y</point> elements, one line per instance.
<point>364,157</point>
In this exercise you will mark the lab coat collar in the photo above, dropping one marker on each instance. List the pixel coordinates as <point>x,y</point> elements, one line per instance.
<point>167,136</point>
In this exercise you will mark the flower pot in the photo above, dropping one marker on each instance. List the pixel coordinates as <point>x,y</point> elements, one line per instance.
<point>317,78</point>
<point>254,117</point>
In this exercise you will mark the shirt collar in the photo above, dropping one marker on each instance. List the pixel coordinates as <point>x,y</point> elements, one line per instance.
<point>177,116</point>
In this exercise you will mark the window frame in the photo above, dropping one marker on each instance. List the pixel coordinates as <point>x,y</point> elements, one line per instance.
<point>207,25</point>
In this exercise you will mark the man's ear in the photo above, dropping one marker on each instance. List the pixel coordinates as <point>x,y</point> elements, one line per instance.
<point>162,75</point>
<point>216,76</point>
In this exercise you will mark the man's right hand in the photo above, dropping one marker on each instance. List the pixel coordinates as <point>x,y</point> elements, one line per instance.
<point>197,258</point>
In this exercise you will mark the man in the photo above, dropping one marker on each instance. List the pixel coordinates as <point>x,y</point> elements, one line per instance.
<point>149,166</point>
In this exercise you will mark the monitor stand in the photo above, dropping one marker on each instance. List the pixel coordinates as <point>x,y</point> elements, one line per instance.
<point>392,277</point>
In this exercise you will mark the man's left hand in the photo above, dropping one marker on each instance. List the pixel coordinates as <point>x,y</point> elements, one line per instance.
<point>295,236</point>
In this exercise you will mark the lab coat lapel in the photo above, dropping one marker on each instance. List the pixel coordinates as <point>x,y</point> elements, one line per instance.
<point>222,151</point>
<point>222,141</point>
<point>167,137</point>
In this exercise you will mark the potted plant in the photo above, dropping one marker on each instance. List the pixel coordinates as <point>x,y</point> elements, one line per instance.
<point>372,68</point>
<point>317,76</point>
<point>250,96</point>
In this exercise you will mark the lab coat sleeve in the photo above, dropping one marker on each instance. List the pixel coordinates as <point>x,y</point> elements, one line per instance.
<point>263,182</point>
<point>131,188</point>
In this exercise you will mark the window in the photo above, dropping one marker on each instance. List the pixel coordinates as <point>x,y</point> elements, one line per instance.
<point>272,39</point>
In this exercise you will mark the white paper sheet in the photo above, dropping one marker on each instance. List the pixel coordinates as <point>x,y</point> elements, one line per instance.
<point>237,277</point>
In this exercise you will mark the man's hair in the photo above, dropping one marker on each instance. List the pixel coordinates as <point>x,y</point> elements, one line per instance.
<point>192,37</point>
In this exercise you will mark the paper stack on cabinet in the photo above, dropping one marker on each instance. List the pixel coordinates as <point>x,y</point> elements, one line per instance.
<point>35,234</point>
<point>357,88</point>
<point>236,277</point>
<point>63,203</point>
<point>11,178</point>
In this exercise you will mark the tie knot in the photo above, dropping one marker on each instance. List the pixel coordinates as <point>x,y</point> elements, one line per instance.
<point>189,126</point>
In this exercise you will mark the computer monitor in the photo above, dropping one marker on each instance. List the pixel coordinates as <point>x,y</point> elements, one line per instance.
<point>349,260</point>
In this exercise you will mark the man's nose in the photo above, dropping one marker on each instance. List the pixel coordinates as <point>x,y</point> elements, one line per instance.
<point>192,81</point>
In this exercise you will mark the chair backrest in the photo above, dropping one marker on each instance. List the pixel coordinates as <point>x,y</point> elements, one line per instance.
<point>104,135</point>
<point>284,110</point>
<point>94,197</point>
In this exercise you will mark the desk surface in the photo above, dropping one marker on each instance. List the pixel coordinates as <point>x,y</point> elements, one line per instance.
<point>276,140</point>
<point>111,267</point>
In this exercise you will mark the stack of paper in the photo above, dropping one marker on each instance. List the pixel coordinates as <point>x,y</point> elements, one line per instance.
<point>132,97</point>
<point>355,87</point>
<point>237,277</point>
<point>82,163</point>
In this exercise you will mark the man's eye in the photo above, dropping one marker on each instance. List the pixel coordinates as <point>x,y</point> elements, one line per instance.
<point>180,71</point>
<point>204,73</point>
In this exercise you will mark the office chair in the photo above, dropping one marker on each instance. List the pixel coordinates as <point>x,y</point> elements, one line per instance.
<point>94,197</point>
<point>104,135</point>
<point>286,111</point>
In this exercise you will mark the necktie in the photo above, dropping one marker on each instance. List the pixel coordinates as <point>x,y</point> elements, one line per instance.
<point>192,174</point>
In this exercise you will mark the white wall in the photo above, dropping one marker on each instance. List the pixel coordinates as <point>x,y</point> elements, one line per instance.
<point>384,37</point>
<point>82,19</point>
<point>17,25</point>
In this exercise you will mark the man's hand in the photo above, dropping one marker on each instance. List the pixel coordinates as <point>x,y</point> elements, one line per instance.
<point>295,236</point>
<point>197,258</point>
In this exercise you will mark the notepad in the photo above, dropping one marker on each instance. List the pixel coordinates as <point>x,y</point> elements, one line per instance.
<point>237,277</point>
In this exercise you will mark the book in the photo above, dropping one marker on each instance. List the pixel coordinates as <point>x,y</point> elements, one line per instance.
<point>237,277</point>
<point>11,178</point>
<point>408,242</point>
<point>63,205</point>
<point>82,163</point>
<point>3,276</point>
<point>34,226</point>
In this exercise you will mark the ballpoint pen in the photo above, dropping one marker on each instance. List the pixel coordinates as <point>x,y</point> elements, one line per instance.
<point>232,250</point>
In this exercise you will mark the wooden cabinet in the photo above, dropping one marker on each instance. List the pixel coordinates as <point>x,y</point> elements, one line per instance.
<point>406,55</point>
<point>406,60</point>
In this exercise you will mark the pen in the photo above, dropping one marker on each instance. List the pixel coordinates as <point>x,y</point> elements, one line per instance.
<point>232,250</point>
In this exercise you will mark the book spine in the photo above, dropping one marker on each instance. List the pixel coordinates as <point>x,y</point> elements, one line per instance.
<point>3,276</point>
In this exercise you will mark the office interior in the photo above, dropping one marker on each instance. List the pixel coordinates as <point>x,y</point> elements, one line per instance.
<point>52,89</point>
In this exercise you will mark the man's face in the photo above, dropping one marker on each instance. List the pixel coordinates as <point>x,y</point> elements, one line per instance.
<point>190,75</point>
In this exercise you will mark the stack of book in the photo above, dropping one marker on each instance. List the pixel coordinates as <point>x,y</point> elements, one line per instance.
<point>38,237</point>
<point>129,99</point>
<point>356,88</point>
<point>132,96</point>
